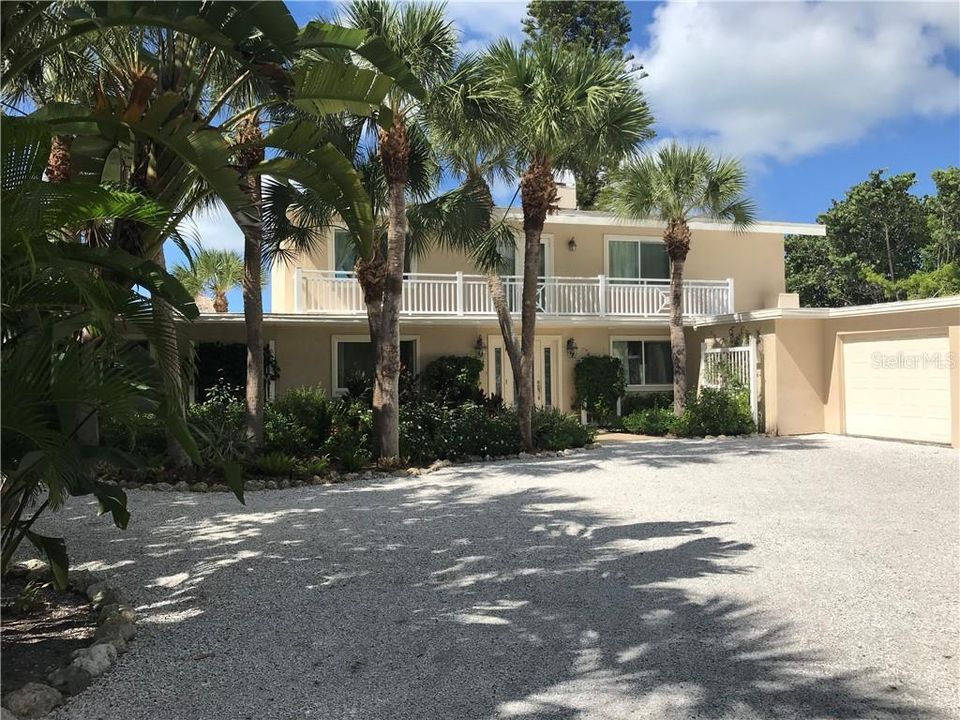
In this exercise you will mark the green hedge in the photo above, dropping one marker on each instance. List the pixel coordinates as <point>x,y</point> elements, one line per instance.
<point>714,412</point>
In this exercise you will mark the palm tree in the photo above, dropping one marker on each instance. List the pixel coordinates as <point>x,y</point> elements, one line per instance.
<point>466,116</point>
<point>212,273</point>
<point>676,185</point>
<point>565,106</point>
<point>427,42</point>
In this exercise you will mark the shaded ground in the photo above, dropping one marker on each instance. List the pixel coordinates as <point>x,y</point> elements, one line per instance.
<point>38,637</point>
<point>795,578</point>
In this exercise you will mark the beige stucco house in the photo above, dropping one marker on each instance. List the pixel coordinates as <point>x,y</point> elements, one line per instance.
<point>603,291</point>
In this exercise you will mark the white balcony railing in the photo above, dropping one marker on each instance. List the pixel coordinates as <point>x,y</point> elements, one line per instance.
<point>460,295</point>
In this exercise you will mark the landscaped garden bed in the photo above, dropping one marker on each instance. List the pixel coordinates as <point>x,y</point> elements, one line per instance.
<point>56,641</point>
<point>311,439</point>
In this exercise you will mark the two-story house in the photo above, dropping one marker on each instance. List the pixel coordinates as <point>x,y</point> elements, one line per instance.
<point>603,290</point>
<point>887,370</point>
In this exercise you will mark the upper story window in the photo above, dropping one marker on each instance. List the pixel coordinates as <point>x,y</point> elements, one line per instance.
<point>513,257</point>
<point>632,258</point>
<point>345,258</point>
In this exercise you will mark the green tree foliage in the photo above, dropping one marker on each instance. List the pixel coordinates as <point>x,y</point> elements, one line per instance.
<point>943,219</point>
<point>66,307</point>
<point>212,273</point>
<point>883,243</point>
<point>601,26</point>
<point>881,222</point>
<point>676,185</point>
<point>824,277</point>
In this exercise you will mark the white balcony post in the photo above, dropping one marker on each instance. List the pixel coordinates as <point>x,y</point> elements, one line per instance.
<point>298,290</point>
<point>459,293</point>
<point>602,287</point>
<point>752,361</point>
<point>729,295</point>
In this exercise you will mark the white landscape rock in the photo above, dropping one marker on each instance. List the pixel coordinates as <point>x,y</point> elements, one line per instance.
<point>33,700</point>
<point>96,659</point>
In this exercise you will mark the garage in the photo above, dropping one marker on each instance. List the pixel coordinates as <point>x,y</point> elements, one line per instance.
<point>897,385</point>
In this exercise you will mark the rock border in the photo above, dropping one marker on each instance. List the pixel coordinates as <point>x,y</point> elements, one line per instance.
<point>257,484</point>
<point>116,626</point>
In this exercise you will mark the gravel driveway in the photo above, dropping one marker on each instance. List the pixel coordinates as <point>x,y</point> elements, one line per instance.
<point>812,577</point>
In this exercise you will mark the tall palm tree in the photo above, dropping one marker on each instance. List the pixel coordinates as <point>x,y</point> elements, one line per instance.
<point>677,185</point>
<point>421,34</point>
<point>565,106</point>
<point>212,273</point>
<point>466,117</point>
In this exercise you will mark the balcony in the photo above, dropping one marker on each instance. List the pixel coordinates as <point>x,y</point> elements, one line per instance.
<point>460,295</point>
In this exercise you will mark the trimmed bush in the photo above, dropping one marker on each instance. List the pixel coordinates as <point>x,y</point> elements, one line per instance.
<point>556,430</point>
<point>631,402</point>
<point>715,412</point>
<point>452,380</point>
<point>598,381</point>
<point>650,421</point>
<point>430,431</point>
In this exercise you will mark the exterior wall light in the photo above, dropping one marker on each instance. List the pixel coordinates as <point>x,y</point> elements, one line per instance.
<point>572,244</point>
<point>572,347</point>
<point>479,347</point>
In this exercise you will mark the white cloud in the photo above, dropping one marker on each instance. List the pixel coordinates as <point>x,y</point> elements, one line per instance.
<point>787,79</point>
<point>213,229</point>
<point>481,21</point>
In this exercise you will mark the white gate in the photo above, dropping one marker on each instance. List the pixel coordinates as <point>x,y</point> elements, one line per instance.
<point>726,366</point>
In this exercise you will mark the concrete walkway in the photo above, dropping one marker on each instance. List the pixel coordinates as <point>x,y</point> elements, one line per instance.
<point>812,577</point>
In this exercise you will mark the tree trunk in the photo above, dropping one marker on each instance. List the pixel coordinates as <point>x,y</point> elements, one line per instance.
<point>499,297</point>
<point>538,193</point>
<point>251,154</point>
<point>394,157</point>
<point>498,294</point>
<point>220,303</point>
<point>886,237</point>
<point>58,165</point>
<point>677,239</point>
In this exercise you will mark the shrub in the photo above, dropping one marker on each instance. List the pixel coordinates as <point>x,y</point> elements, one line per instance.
<point>650,421</point>
<point>598,381</point>
<point>283,433</point>
<point>430,431</point>
<point>631,402</point>
<point>309,407</point>
<point>314,465</point>
<point>715,412</point>
<point>218,428</point>
<point>452,380</point>
<point>349,440</point>
<point>275,464</point>
<point>556,430</point>
<point>141,433</point>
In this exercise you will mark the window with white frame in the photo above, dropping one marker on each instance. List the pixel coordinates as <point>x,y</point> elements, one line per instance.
<point>354,355</point>
<point>632,258</point>
<point>646,363</point>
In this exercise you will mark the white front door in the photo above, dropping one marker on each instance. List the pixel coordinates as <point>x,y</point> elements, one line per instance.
<point>546,371</point>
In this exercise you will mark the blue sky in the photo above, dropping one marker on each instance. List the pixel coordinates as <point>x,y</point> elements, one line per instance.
<point>811,96</point>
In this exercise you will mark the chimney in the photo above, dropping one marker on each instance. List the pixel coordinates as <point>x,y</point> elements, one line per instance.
<point>566,190</point>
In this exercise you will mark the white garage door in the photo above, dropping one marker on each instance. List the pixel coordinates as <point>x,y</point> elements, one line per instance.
<point>897,386</point>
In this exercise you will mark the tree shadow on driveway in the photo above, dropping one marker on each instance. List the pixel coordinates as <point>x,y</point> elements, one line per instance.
<point>441,599</point>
